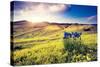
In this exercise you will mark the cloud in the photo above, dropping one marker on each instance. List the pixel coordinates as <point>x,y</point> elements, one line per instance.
<point>92,19</point>
<point>31,10</point>
<point>44,7</point>
<point>40,7</point>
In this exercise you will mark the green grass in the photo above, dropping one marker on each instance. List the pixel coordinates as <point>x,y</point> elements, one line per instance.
<point>55,51</point>
<point>41,54</point>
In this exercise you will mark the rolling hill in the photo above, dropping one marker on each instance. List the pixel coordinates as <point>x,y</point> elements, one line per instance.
<point>43,43</point>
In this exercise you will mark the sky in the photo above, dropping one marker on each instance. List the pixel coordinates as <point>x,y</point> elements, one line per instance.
<point>53,12</point>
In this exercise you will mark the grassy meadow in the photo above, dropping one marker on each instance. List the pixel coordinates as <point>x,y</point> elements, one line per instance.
<point>47,46</point>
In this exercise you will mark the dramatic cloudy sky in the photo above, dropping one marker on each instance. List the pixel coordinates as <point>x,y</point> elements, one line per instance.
<point>60,13</point>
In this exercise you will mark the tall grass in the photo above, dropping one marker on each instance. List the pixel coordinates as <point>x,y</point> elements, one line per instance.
<point>41,54</point>
<point>58,51</point>
<point>79,52</point>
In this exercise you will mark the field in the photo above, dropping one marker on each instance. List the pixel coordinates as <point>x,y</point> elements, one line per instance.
<point>43,43</point>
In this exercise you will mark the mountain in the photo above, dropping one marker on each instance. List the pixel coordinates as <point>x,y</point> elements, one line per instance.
<point>52,26</point>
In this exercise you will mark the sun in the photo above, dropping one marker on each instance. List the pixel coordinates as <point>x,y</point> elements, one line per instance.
<point>41,18</point>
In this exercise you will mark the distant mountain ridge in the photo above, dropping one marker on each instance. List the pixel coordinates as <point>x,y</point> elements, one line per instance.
<point>53,25</point>
<point>45,22</point>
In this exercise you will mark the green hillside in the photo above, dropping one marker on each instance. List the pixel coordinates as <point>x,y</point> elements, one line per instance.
<point>45,45</point>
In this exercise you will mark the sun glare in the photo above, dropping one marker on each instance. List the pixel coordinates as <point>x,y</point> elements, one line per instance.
<point>41,18</point>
